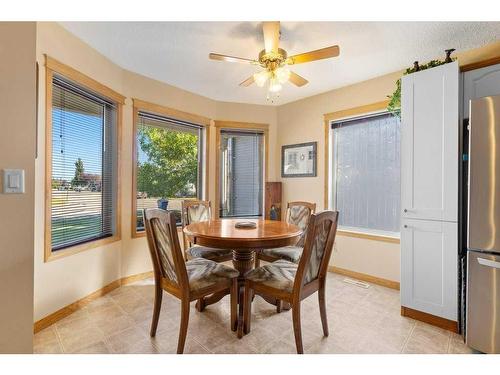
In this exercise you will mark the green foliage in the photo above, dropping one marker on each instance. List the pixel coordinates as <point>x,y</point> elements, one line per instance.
<point>394,105</point>
<point>79,170</point>
<point>172,166</point>
<point>56,184</point>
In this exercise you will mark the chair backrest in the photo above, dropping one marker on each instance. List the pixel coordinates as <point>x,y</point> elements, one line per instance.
<point>194,211</point>
<point>299,213</point>
<point>318,247</point>
<point>164,247</point>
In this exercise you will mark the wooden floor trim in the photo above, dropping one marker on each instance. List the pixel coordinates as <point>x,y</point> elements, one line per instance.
<point>365,277</point>
<point>449,325</point>
<point>75,306</point>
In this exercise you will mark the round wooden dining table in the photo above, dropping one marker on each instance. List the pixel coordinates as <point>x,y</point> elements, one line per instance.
<point>243,242</point>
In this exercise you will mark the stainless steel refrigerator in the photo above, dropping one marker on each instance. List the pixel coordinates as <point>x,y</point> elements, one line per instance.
<point>483,255</point>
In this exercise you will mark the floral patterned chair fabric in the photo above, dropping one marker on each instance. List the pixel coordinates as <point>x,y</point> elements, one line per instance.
<point>297,213</point>
<point>197,212</point>
<point>290,253</point>
<point>164,246</point>
<point>194,212</point>
<point>207,252</point>
<point>278,275</point>
<point>317,251</point>
<point>203,273</point>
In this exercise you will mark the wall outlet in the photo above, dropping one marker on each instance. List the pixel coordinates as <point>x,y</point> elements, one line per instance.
<point>13,181</point>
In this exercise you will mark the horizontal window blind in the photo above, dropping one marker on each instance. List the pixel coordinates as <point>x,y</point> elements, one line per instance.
<point>84,165</point>
<point>169,164</point>
<point>242,174</point>
<point>366,172</point>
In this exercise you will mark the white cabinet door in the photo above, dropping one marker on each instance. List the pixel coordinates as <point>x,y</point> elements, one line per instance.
<point>429,267</point>
<point>480,83</point>
<point>429,144</point>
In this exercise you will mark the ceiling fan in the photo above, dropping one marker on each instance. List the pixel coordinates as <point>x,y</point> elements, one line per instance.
<point>275,61</point>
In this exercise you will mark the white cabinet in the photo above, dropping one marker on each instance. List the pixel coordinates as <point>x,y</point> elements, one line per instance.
<point>429,144</point>
<point>429,267</point>
<point>429,190</point>
<point>480,83</point>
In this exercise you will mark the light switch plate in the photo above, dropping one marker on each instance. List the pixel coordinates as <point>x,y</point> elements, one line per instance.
<point>13,181</point>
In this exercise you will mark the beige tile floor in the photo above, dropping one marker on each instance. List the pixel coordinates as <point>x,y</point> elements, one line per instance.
<point>360,321</point>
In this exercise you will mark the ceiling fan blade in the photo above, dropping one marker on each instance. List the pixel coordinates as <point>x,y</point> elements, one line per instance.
<point>247,82</point>
<point>297,80</point>
<point>271,36</point>
<point>319,54</point>
<point>219,57</point>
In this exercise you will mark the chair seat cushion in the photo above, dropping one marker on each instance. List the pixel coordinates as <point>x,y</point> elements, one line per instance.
<point>207,252</point>
<point>203,273</point>
<point>290,253</point>
<point>279,275</point>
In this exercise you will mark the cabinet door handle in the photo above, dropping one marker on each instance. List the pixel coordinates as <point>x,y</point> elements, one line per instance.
<point>405,210</point>
<point>405,226</point>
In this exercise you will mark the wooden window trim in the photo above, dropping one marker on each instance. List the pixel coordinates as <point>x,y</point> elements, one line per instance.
<point>363,110</point>
<point>53,66</point>
<point>141,105</point>
<point>219,125</point>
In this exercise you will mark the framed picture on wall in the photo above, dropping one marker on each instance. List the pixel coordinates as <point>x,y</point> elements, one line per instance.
<point>299,160</point>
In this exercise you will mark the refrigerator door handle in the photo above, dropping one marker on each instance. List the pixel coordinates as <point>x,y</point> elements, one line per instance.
<point>488,263</point>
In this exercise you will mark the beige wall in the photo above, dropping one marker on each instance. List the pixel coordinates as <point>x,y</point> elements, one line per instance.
<point>302,121</point>
<point>90,270</point>
<point>17,150</point>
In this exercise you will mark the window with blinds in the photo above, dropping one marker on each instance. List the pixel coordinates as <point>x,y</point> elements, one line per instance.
<point>169,164</point>
<point>366,173</point>
<point>84,165</point>
<point>241,174</point>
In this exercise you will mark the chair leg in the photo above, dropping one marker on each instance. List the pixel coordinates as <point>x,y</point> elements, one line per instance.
<point>297,328</point>
<point>184,326</point>
<point>156,310</point>
<point>200,304</point>
<point>247,308</point>
<point>322,308</point>
<point>279,305</point>
<point>234,304</point>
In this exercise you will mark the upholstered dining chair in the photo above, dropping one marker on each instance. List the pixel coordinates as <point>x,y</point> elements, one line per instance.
<point>194,211</point>
<point>297,213</point>
<point>291,282</point>
<point>188,281</point>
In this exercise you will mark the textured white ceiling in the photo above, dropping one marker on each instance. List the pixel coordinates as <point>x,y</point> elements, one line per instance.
<point>177,52</point>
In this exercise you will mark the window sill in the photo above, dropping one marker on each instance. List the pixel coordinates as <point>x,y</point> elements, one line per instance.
<point>368,236</point>
<point>54,255</point>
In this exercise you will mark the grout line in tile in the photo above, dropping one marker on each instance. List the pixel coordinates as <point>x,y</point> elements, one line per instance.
<point>59,340</point>
<point>203,346</point>
<point>408,337</point>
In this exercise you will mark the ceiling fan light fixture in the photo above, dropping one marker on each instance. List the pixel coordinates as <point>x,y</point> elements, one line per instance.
<point>274,62</point>
<point>261,77</point>
<point>282,74</point>
<point>274,85</point>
